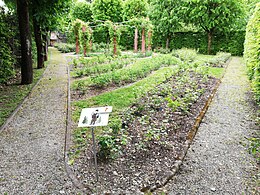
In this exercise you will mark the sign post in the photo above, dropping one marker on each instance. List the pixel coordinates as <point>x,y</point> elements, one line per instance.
<point>93,117</point>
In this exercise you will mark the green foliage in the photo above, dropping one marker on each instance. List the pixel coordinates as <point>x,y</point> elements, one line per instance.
<point>112,139</point>
<point>135,9</point>
<point>215,14</point>
<point>132,73</point>
<point>82,11</point>
<point>231,42</point>
<point>65,47</point>
<point>165,17</point>
<point>219,60</point>
<point>252,51</point>
<point>254,148</point>
<point>117,63</point>
<point>107,10</point>
<point>7,59</point>
<point>186,55</point>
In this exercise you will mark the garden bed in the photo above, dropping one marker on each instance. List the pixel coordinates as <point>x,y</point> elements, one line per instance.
<point>150,126</point>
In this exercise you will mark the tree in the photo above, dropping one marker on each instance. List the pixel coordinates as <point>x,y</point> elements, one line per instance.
<point>45,14</point>
<point>82,11</point>
<point>25,38</point>
<point>165,18</point>
<point>107,10</point>
<point>135,9</point>
<point>213,15</point>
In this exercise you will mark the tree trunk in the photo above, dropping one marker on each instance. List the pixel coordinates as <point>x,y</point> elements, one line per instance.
<point>136,41</point>
<point>85,43</point>
<point>210,33</point>
<point>45,43</point>
<point>77,44</point>
<point>149,48</point>
<point>143,40</point>
<point>114,41</point>
<point>115,46</point>
<point>167,42</point>
<point>25,38</point>
<point>90,45</point>
<point>39,44</point>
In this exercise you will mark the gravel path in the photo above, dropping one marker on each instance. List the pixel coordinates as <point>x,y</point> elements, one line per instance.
<point>32,145</point>
<point>217,162</point>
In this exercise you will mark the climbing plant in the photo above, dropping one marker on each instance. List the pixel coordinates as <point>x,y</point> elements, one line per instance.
<point>77,24</point>
<point>114,30</point>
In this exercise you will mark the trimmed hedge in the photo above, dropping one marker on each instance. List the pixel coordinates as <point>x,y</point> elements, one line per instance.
<point>232,42</point>
<point>252,51</point>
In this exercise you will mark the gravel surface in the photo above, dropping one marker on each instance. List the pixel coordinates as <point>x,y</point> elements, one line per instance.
<point>32,145</point>
<point>217,162</point>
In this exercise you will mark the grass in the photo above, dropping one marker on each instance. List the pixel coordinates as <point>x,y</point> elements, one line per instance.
<point>11,96</point>
<point>124,97</point>
<point>216,72</point>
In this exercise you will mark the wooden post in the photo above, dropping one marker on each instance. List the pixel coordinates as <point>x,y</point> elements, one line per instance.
<point>77,44</point>
<point>114,41</point>
<point>85,43</point>
<point>149,48</point>
<point>136,41</point>
<point>143,40</point>
<point>90,40</point>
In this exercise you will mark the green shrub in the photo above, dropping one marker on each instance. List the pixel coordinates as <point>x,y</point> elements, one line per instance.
<point>186,55</point>
<point>219,60</point>
<point>65,47</point>
<point>229,42</point>
<point>7,59</point>
<point>252,51</point>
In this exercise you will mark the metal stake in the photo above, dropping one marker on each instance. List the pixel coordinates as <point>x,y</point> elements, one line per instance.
<point>94,152</point>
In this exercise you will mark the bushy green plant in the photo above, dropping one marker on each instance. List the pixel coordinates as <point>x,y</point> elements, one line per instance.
<point>65,47</point>
<point>138,70</point>
<point>252,51</point>
<point>7,58</point>
<point>162,50</point>
<point>185,54</point>
<point>219,60</point>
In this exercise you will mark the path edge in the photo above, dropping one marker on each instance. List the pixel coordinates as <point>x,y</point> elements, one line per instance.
<point>191,134</point>
<point>19,106</point>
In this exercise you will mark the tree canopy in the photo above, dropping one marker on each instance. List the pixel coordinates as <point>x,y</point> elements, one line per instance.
<point>135,9</point>
<point>107,10</point>
<point>165,17</point>
<point>213,15</point>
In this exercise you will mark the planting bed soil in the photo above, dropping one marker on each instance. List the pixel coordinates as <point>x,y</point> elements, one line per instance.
<point>151,139</point>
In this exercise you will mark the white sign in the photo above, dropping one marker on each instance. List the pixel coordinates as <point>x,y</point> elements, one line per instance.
<point>92,117</point>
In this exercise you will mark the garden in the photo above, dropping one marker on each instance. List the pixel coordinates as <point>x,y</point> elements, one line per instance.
<point>158,70</point>
<point>156,102</point>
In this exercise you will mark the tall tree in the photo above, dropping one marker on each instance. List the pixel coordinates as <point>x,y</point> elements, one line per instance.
<point>82,11</point>
<point>135,9</point>
<point>165,18</point>
<point>45,14</point>
<point>25,38</point>
<point>213,15</point>
<point>107,10</point>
